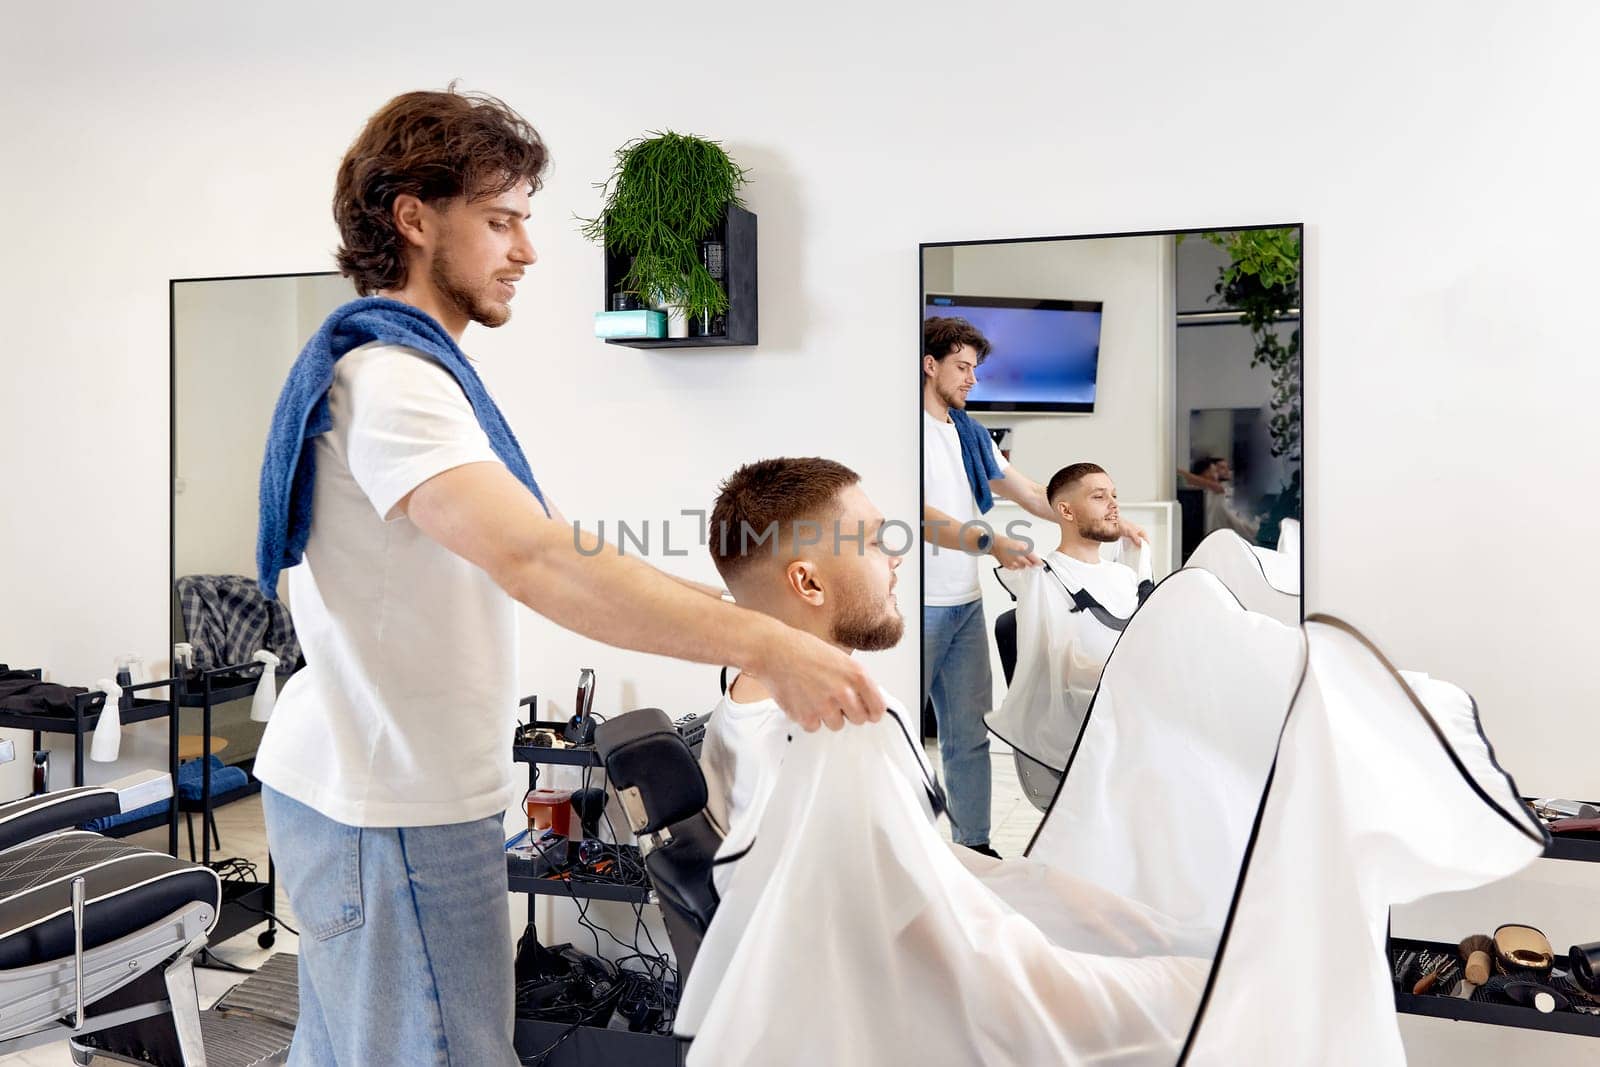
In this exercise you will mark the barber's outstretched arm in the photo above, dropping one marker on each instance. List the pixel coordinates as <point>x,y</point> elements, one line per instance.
<point>943,530</point>
<point>1024,491</point>
<point>484,515</point>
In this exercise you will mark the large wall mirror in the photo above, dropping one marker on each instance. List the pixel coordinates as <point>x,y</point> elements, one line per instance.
<point>233,341</point>
<point>1171,362</point>
<point>1077,393</point>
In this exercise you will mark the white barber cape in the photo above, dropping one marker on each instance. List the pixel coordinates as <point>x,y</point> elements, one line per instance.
<point>1264,580</point>
<point>1061,651</point>
<point>1385,791</point>
<point>850,933</point>
<point>1158,801</point>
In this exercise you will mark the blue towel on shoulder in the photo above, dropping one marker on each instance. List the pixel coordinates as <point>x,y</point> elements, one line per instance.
<point>977,455</point>
<point>289,470</point>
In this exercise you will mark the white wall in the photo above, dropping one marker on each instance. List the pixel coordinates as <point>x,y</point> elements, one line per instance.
<point>1130,430</point>
<point>1438,153</point>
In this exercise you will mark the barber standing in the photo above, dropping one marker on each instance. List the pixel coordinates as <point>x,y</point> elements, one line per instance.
<point>391,473</point>
<point>962,473</point>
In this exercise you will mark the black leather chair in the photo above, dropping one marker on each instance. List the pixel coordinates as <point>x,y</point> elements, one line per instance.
<point>1005,640</point>
<point>1039,783</point>
<point>663,793</point>
<point>95,934</point>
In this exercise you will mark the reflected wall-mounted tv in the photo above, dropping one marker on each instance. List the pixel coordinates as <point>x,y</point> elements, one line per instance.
<point>1045,353</point>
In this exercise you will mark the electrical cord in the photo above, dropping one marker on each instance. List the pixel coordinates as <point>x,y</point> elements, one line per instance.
<point>656,985</point>
<point>237,869</point>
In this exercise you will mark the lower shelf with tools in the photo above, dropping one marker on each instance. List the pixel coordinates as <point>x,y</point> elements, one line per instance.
<point>1493,1014</point>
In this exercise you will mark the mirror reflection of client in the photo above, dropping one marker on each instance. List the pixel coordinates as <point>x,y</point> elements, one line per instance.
<point>1069,616</point>
<point>833,864</point>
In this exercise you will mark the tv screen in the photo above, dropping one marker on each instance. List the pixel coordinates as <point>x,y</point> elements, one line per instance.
<point>1045,352</point>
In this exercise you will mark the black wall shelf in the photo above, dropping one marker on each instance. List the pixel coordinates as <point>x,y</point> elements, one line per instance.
<point>738,234</point>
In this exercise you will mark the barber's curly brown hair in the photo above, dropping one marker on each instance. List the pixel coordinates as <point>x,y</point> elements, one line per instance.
<point>434,146</point>
<point>944,336</point>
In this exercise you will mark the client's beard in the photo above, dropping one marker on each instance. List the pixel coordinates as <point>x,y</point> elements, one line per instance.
<point>1105,531</point>
<point>865,630</point>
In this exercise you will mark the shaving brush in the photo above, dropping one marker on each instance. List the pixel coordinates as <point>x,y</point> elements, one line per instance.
<point>1478,951</point>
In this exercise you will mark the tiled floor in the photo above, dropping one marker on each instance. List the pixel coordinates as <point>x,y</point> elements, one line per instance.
<point>243,834</point>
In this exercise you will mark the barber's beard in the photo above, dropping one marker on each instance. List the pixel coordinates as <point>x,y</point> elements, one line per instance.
<point>1105,531</point>
<point>868,628</point>
<point>952,398</point>
<point>472,304</point>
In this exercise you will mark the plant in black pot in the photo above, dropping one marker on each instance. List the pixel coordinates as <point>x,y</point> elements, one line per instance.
<point>668,193</point>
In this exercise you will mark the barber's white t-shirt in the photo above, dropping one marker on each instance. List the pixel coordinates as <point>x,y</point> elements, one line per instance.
<point>949,575</point>
<point>404,712</point>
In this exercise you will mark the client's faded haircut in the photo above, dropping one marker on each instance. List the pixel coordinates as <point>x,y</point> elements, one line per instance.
<point>759,504</point>
<point>1064,479</point>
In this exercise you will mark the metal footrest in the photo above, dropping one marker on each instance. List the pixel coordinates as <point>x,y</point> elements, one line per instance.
<point>243,1041</point>
<point>272,993</point>
<point>249,1026</point>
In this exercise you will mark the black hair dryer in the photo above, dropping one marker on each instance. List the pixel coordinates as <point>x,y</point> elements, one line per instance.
<point>580,728</point>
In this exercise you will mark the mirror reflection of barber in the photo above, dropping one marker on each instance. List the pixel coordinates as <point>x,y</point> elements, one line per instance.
<point>1214,476</point>
<point>962,473</point>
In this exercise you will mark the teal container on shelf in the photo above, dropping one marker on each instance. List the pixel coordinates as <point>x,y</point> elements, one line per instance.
<point>643,323</point>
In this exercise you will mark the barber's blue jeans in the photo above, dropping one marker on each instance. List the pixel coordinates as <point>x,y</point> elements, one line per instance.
<point>405,940</point>
<point>955,673</point>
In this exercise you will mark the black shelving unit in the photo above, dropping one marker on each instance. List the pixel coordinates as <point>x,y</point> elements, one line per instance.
<point>1445,1007</point>
<point>1442,1007</point>
<point>737,233</point>
<point>86,711</point>
<point>569,1045</point>
<point>246,903</point>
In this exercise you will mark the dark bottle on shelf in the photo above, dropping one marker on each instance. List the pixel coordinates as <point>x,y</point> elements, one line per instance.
<point>713,256</point>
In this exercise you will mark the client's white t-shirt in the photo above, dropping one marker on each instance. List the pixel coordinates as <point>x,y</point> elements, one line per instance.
<point>743,751</point>
<point>404,712</point>
<point>1113,584</point>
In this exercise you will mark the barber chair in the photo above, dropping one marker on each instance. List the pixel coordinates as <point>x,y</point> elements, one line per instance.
<point>98,939</point>
<point>663,793</point>
<point>1038,782</point>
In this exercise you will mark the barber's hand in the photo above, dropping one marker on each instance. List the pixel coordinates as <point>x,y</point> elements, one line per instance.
<point>817,685</point>
<point>1135,533</point>
<point>1013,554</point>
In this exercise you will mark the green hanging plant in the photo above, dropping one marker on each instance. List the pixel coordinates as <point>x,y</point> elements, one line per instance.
<point>1262,282</point>
<point>667,193</point>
